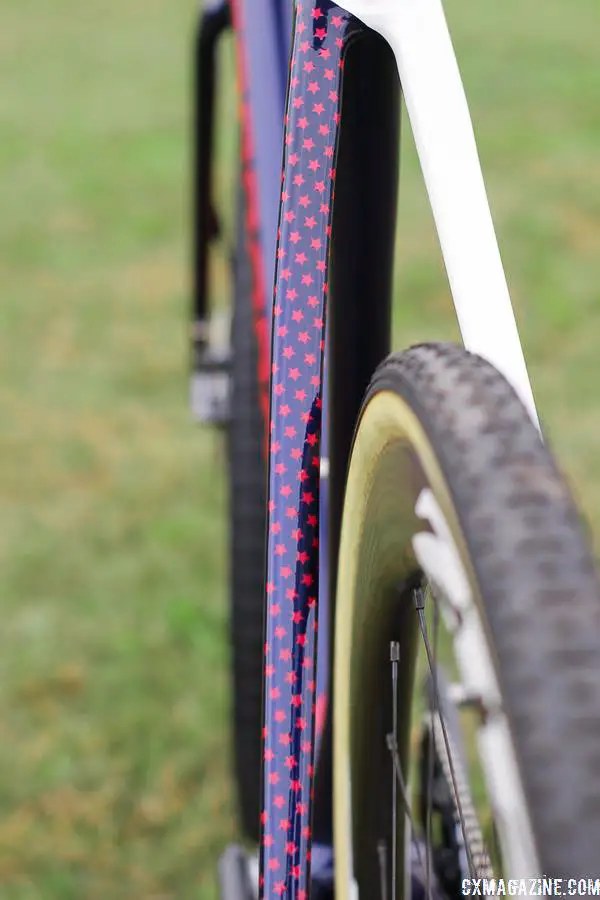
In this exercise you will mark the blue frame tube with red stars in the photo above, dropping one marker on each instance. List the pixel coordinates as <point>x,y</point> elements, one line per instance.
<point>302,426</point>
<point>312,120</point>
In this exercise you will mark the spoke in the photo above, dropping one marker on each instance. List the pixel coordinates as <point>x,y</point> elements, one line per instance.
<point>381,852</point>
<point>419,597</point>
<point>393,748</point>
<point>394,657</point>
<point>430,760</point>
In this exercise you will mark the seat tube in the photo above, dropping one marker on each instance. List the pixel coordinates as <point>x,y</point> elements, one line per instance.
<point>321,34</point>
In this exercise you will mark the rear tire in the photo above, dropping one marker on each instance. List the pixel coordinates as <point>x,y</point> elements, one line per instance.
<point>439,419</point>
<point>247,480</point>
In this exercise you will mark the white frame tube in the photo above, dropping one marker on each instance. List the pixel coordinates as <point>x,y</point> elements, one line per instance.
<point>443,132</point>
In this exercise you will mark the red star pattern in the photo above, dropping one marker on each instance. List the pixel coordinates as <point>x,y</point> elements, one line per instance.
<point>250,185</point>
<point>291,705</point>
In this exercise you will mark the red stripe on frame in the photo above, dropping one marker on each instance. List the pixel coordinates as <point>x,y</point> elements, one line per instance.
<point>259,302</point>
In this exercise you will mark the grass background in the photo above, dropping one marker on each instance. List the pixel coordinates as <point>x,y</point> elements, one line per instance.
<point>113,655</point>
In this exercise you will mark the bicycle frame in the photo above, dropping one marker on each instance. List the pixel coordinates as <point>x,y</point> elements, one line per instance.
<point>318,244</point>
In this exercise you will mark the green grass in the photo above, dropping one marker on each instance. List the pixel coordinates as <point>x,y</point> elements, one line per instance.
<point>113,654</point>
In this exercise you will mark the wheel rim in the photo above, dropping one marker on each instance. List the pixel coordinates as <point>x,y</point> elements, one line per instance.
<point>395,488</point>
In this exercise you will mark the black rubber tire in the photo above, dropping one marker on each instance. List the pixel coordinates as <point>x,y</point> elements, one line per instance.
<point>539,590</point>
<point>247,511</point>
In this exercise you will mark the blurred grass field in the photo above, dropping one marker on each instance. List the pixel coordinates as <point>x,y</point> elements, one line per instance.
<point>113,654</point>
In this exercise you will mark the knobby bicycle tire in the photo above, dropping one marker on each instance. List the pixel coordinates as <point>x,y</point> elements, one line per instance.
<point>455,425</point>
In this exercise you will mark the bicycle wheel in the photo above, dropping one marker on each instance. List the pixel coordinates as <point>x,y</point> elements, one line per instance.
<point>450,482</point>
<point>247,505</point>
